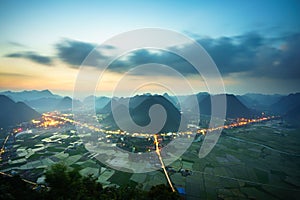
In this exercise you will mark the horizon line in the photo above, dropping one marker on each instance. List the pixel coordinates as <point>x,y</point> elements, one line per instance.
<point>144,93</point>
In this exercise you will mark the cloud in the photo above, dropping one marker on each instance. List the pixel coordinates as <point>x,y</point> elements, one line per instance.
<point>32,56</point>
<point>17,44</point>
<point>74,52</point>
<point>5,74</point>
<point>283,61</point>
<point>145,56</point>
<point>257,56</point>
<point>250,54</point>
<point>109,47</point>
<point>231,54</point>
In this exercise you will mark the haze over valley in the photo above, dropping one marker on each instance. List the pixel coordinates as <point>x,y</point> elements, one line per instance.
<point>149,100</point>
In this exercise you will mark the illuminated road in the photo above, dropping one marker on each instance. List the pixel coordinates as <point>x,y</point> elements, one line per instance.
<point>52,119</point>
<point>240,122</point>
<point>56,119</point>
<point>162,163</point>
<point>4,143</point>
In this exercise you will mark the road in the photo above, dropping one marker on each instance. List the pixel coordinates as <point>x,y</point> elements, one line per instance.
<point>4,143</point>
<point>162,163</point>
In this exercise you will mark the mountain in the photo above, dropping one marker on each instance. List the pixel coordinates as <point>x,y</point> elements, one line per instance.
<point>13,113</point>
<point>289,108</point>
<point>139,111</point>
<point>99,102</point>
<point>249,102</point>
<point>51,104</point>
<point>43,104</point>
<point>41,101</point>
<point>28,95</point>
<point>235,108</point>
<point>264,99</point>
<point>286,104</point>
<point>260,102</point>
<point>173,99</point>
<point>133,102</point>
<point>65,104</point>
<point>141,117</point>
<point>293,116</point>
<point>187,103</point>
<point>107,108</point>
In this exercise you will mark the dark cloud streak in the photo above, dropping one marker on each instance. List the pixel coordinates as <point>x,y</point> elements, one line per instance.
<point>32,56</point>
<point>17,44</point>
<point>144,56</point>
<point>5,74</point>
<point>74,53</point>
<point>251,55</point>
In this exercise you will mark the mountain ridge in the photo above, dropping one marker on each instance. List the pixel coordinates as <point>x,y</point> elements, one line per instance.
<point>13,113</point>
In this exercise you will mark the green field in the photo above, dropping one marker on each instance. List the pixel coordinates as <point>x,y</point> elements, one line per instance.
<point>257,161</point>
<point>260,161</point>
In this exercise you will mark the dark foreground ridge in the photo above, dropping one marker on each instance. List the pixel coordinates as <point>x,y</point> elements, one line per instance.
<point>64,183</point>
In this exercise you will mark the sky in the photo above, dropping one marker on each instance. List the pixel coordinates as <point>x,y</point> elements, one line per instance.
<point>253,43</point>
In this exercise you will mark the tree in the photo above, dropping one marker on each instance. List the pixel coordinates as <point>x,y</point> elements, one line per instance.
<point>65,183</point>
<point>69,184</point>
<point>162,192</point>
<point>16,188</point>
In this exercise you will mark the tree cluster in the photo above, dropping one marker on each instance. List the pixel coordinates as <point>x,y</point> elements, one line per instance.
<point>63,183</point>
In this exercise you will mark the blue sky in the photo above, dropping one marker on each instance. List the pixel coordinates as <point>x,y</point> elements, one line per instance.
<point>33,34</point>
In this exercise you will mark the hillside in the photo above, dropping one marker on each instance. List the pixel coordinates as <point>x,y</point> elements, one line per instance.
<point>235,108</point>
<point>286,104</point>
<point>66,104</point>
<point>293,116</point>
<point>98,102</point>
<point>261,102</point>
<point>43,104</point>
<point>13,113</point>
<point>188,101</point>
<point>139,108</point>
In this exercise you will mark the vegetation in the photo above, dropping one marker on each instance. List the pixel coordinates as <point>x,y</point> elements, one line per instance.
<point>16,188</point>
<point>65,183</point>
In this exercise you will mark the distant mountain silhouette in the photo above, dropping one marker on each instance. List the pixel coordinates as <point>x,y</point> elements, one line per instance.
<point>65,104</point>
<point>98,102</point>
<point>289,108</point>
<point>51,104</point>
<point>234,108</point>
<point>247,101</point>
<point>286,104</point>
<point>43,104</point>
<point>107,108</point>
<point>173,99</point>
<point>13,113</point>
<point>264,99</point>
<point>28,95</point>
<point>41,101</point>
<point>133,102</point>
<point>139,110</point>
<point>260,102</point>
<point>189,100</point>
<point>293,116</point>
<point>237,106</point>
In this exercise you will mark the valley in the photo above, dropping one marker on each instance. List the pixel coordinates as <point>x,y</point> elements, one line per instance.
<point>250,160</point>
